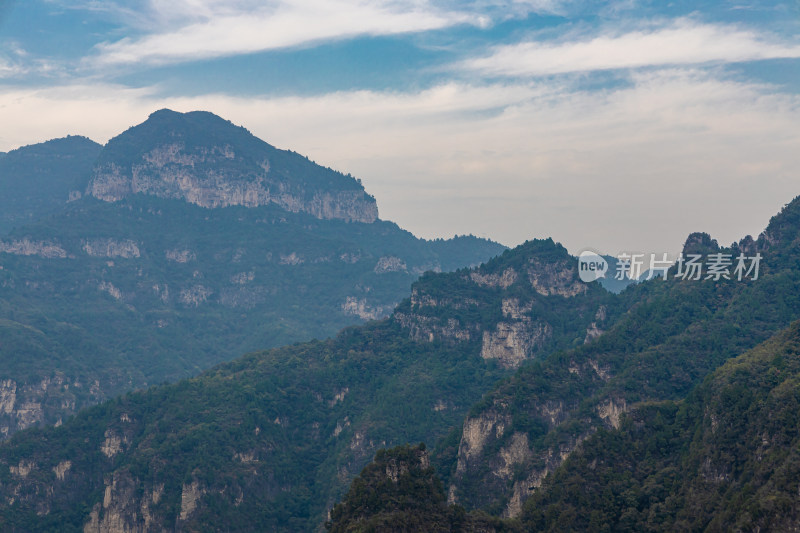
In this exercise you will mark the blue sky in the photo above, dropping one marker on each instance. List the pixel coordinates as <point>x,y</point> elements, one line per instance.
<point>620,126</point>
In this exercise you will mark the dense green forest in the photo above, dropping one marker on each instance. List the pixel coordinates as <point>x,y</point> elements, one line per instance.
<point>673,335</point>
<point>282,432</point>
<point>725,458</point>
<point>544,403</point>
<point>273,439</point>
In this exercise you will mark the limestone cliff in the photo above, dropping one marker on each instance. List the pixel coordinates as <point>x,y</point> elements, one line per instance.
<point>501,458</point>
<point>46,400</point>
<point>672,334</point>
<point>102,293</point>
<point>202,159</point>
<point>304,419</point>
<point>26,246</point>
<point>506,309</point>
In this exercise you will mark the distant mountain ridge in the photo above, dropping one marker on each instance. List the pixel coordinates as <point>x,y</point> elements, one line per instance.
<point>205,160</point>
<point>37,180</point>
<point>509,367</point>
<point>213,244</point>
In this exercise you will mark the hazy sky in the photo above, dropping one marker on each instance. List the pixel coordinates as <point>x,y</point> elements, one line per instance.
<point>620,126</point>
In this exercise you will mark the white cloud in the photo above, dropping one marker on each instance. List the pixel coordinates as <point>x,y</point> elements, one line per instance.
<point>7,69</point>
<point>681,42</point>
<point>195,29</point>
<point>633,168</point>
<point>11,59</point>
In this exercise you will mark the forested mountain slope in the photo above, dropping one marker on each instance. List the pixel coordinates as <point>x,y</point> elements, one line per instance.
<point>675,333</point>
<point>272,439</point>
<point>188,242</point>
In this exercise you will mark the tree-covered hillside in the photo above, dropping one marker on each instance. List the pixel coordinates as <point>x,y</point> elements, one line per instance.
<point>400,492</point>
<point>271,440</point>
<point>190,267</point>
<point>673,335</point>
<point>725,458</point>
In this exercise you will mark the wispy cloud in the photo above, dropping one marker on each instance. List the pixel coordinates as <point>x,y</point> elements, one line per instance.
<point>197,29</point>
<point>13,60</point>
<point>8,70</point>
<point>681,42</point>
<point>675,150</point>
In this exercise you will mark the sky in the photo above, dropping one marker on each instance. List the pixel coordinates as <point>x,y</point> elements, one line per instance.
<point>619,126</point>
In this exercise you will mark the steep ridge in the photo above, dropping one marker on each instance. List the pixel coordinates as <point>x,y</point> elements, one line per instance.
<point>271,440</point>
<point>102,297</point>
<point>675,333</point>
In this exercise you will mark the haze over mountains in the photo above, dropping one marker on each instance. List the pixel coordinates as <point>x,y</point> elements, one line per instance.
<point>37,180</point>
<point>271,440</point>
<point>184,242</point>
<point>282,432</point>
<point>546,403</point>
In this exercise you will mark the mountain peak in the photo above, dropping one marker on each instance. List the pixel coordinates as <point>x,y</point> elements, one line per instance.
<point>164,112</point>
<point>206,160</point>
<point>700,243</point>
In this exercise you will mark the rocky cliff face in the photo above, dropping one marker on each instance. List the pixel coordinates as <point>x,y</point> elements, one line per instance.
<point>204,160</point>
<point>506,309</point>
<point>673,334</point>
<point>722,459</point>
<point>48,250</point>
<point>49,400</point>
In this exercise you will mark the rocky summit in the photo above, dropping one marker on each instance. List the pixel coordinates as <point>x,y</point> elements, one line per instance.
<point>205,160</point>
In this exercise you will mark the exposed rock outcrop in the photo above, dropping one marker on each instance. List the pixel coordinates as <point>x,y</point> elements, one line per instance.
<point>119,512</point>
<point>430,329</point>
<point>503,281</point>
<point>109,287</point>
<point>111,248</point>
<point>190,494</point>
<point>560,278</point>
<point>390,264</point>
<point>23,405</point>
<point>610,410</point>
<point>475,435</point>
<point>180,255</point>
<point>196,295</point>
<point>364,309</point>
<point>204,160</point>
<point>61,469</point>
<point>48,250</point>
<point>511,343</point>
